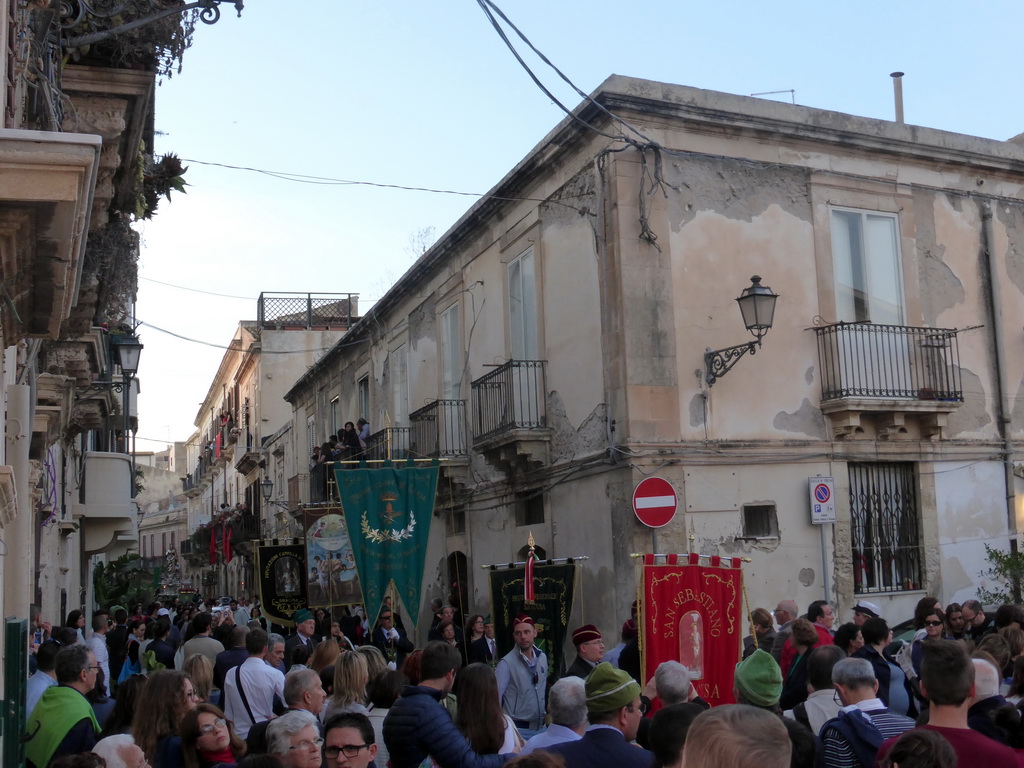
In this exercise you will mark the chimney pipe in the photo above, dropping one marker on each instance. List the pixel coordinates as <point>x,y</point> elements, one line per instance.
<point>897,92</point>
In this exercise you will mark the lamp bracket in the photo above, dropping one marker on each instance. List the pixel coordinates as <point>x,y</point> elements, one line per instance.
<point>83,393</point>
<point>718,362</point>
<point>80,12</point>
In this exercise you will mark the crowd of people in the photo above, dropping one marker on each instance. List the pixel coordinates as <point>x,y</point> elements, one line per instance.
<point>196,686</point>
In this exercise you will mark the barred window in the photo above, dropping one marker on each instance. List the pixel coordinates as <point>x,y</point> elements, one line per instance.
<point>885,528</point>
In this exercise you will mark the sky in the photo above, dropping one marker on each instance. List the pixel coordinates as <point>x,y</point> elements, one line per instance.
<point>425,94</point>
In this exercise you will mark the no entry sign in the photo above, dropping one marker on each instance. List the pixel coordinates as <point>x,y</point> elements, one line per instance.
<point>654,502</point>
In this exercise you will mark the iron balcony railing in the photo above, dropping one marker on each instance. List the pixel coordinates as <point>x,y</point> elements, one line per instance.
<point>509,397</point>
<point>438,429</point>
<point>893,361</point>
<point>389,443</point>
<point>302,311</point>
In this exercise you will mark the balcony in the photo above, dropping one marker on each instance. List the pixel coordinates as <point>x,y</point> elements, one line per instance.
<point>245,532</point>
<point>197,551</point>
<point>389,444</point>
<point>105,513</point>
<point>438,429</point>
<point>509,424</point>
<point>888,381</point>
<point>306,311</point>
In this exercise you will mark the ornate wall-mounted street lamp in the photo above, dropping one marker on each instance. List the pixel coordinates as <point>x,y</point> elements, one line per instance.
<point>757,305</point>
<point>129,350</point>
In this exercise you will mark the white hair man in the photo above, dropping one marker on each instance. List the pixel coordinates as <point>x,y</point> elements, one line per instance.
<point>567,705</point>
<point>120,751</point>
<point>671,683</point>
<point>986,698</point>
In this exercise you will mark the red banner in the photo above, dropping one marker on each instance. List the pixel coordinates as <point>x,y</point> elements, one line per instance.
<point>227,542</point>
<point>692,614</point>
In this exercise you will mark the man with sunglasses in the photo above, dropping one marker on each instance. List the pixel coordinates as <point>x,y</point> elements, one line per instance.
<point>349,741</point>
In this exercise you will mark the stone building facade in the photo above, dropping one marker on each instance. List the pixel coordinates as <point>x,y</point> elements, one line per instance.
<point>550,348</point>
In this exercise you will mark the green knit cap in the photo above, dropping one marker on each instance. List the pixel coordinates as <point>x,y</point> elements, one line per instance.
<point>759,679</point>
<point>609,688</point>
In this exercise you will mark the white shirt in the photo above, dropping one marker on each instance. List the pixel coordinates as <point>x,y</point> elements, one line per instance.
<point>97,643</point>
<point>260,682</point>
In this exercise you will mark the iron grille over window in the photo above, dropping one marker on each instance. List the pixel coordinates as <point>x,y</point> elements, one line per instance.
<point>885,528</point>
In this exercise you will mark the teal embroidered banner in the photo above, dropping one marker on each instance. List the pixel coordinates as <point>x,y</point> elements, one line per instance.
<point>388,513</point>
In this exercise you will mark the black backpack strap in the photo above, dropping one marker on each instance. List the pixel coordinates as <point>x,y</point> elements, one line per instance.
<point>241,692</point>
<point>800,714</point>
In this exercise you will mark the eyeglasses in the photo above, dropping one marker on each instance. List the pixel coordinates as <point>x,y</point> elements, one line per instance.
<point>348,750</point>
<point>97,667</point>
<point>933,623</point>
<point>382,618</point>
<point>220,722</point>
<point>317,743</point>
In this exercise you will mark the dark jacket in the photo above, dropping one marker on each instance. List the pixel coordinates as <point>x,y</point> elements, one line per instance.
<point>227,659</point>
<point>579,668</point>
<point>418,726</point>
<point>602,748</point>
<point>291,644</point>
<point>883,675</point>
<point>979,718</point>
<point>479,652</point>
<point>399,647</point>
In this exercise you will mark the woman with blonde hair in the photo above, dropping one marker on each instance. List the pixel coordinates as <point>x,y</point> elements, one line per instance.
<point>351,674</point>
<point>325,655</point>
<point>208,738</point>
<point>375,663</point>
<point>163,702</point>
<point>200,671</point>
<point>739,736</point>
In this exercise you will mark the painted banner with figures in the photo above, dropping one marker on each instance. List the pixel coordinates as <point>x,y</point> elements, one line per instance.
<point>331,576</point>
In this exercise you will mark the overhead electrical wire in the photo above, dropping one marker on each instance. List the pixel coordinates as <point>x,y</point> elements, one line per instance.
<point>324,180</point>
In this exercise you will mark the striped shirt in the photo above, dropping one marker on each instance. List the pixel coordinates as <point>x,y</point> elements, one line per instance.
<point>838,751</point>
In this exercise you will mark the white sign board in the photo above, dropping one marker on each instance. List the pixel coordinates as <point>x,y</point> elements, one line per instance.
<point>823,499</point>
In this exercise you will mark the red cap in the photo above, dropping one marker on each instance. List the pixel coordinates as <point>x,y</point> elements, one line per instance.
<point>522,618</point>
<point>585,634</point>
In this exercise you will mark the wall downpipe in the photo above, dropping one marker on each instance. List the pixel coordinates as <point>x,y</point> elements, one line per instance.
<point>1003,408</point>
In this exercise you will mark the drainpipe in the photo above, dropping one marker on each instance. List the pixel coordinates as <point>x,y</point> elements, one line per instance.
<point>18,584</point>
<point>1003,407</point>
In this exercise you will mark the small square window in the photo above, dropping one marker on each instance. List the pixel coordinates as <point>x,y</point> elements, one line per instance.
<point>530,508</point>
<point>456,522</point>
<point>760,521</point>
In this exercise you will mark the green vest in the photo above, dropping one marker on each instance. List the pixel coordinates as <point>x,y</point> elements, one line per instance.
<point>60,708</point>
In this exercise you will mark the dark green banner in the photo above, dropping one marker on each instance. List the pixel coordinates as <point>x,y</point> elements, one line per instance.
<point>553,591</point>
<point>388,512</point>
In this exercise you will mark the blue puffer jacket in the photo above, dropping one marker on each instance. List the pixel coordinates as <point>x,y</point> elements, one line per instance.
<point>418,726</point>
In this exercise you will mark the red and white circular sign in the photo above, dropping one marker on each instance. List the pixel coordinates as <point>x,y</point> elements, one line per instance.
<point>654,502</point>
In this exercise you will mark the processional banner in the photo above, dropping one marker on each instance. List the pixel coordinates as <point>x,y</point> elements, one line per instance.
<point>550,609</point>
<point>388,512</point>
<point>279,581</point>
<point>331,577</point>
<point>692,614</point>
